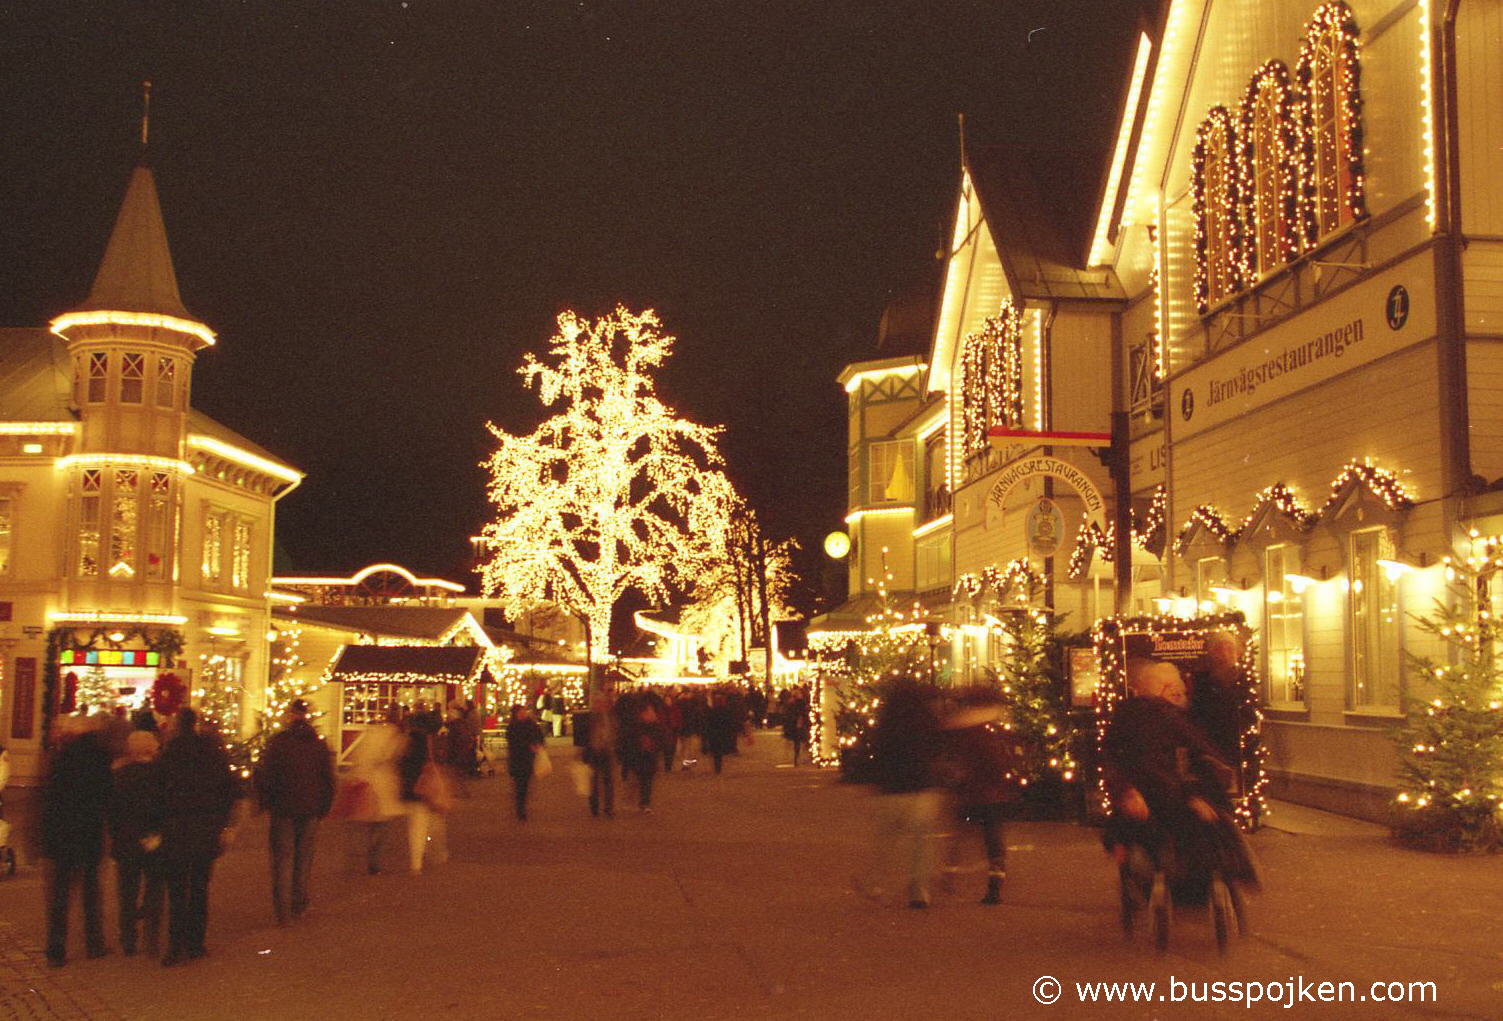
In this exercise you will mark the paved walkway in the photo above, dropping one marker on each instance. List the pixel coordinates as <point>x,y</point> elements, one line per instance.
<point>732,900</point>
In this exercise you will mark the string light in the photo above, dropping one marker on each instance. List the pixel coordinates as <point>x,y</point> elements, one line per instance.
<point>991,374</point>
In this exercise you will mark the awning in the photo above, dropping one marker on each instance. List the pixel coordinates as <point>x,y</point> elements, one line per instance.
<point>408,664</point>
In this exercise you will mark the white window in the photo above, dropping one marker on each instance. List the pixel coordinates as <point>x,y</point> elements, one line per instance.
<point>166,382</point>
<point>159,519</point>
<point>889,472</point>
<point>132,378</point>
<point>99,376</point>
<point>213,558</point>
<point>241,554</point>
<point>90,485</point>
<point>933,562</point>
<point>1210,573</point>
<point>123,523</point>
<point>7,524</point>
<point>1375,621</point>
<point>1283,625</point>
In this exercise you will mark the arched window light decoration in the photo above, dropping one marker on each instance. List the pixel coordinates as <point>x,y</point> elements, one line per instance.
<point>1329,78</point>
<point>991,365</point>
<point>1269,140</point>
<point>1288,170</point>
<point>1216,204</point>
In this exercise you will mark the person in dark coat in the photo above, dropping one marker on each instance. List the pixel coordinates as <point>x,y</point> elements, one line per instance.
<point>905,744</point>
<point>1219,699</point>
<point>640,738</point>
<point>599,752</point>
<point>295,783</point>
<point>796,722</point>
<point>721,728</point>
<point>135,823</point>
<point>74,797</point>
<point>425,820</point>
<point>981,769</point>
<point>199,793</point>
<point>524,736</point>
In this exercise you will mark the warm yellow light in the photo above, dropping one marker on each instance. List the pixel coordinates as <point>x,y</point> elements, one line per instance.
<point>126,460</point>
<point>291,598</point>
<point>1299,582</point>
<point>154,320</point>
<point>31,448</point>
<point>1427,111</point>
<point>242,457</point>
<point>875,375</point>
<point>855,516</point>
<point>223,632</point>
<point>116,618</point>
<point>933,526</point>
<point>1101,246</point>
<point>366,572</point>
<point>38,428</point>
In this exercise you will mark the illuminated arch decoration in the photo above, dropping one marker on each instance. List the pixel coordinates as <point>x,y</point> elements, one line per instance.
<point>1329,77</point>
<point>1147,534</point>
<point>1217,209</point>
<point>1269,140</point>
<point>1016,578</point>
<point>991,372</point>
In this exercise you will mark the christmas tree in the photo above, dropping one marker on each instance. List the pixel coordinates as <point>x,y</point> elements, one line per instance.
<point>1451,747</point>
<point>1031,686</point>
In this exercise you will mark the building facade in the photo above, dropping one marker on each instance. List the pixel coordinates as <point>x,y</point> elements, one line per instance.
<point>135,532</point>
<point>1285,315</point>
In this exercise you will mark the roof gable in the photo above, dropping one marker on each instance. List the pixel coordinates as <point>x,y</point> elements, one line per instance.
<point>136,274</point>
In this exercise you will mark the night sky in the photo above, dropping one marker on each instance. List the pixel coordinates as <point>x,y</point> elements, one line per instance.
<point>380,206</point>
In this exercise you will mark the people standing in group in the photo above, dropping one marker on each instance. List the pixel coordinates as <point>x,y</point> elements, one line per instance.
<point>422,780</point>
<point>524,739</point>
<point>796,720</point>
<point>74,799</point>
<point>135,825</point>
<point>199,794</point>
<point>721,729</point>
<point>599,754</point>
<point>375,757</point>
<point>981,764</point>
<point>904,748</point>
<point>295,784</point>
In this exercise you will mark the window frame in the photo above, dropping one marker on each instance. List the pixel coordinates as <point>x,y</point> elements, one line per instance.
<point>1275,583</point>
<point>1367,634</point>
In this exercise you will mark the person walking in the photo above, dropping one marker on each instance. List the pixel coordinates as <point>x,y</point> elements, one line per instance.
<point>295,784</point>
<point>74,798</point>
<point>981,763</point>
<point>199,794</point>
<point>135,825</point>
<point>423,797</point>
<point>905,744</point>
<point>375,758</point>
<point>600,756</point>
<point>721,727</point>
<point>641,745</point>
<point>524,739</point>
<point>796,722</point>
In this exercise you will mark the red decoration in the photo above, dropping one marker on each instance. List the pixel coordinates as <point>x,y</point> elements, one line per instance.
<point>167,694</point>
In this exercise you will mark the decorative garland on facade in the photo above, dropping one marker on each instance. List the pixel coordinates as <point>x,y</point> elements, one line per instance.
<point>1337,16</point>
<point>1297,139</point>
<point>1217,129</point>
<point>1271,94</point>
<point>991,376</point>
<point>1147,534</point>
<point>1380,482</point>
<point>1017,574</point>
<point>167,642</point>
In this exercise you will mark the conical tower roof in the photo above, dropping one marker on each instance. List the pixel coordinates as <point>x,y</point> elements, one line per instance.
<point>136,274</point>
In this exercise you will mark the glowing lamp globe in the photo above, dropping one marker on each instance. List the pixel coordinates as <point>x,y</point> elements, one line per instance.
<point>837,545</point>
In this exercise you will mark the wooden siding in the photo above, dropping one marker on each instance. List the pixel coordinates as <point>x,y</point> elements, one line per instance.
<point>1484,381</point>
<point>1080,372</point>
<point>1479,60</point>
<point>1482,273</point>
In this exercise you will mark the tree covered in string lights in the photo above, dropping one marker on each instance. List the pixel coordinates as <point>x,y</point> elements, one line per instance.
<point>613,491</point>
<point>284,687</point>
<point>1450,793</point>
<point>1032,687</point>
<point>733,601</point>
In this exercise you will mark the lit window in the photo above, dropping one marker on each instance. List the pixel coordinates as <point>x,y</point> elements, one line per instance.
<point>889,475</point>
<point>1270,156</point>
<point>241,554</point>
<point>936,488</point>
<point>1375,620</point>
<point>932,556</point>
<point>7,523</point>
<point>123,521</point>
<point>90,486</point>
<point>166,382</point>
<point>1283,625</point>
<point>1210,573</point>
<point>132,378</point>
<point>158,526</point>
<point>99,375</point>
<point>213,547</point>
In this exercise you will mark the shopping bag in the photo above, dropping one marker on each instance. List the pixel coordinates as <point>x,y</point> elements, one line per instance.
<point>542,765</point>
<point>433,787</point>
<point>354,802</point>
<point>580,774</point>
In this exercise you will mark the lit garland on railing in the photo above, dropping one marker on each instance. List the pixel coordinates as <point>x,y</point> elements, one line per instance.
<point>1298,141</point>
<point>991,372</point>
<point>1270,90</point>
<point>1108,637</point>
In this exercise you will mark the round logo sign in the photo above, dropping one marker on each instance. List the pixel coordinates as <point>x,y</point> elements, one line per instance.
<point>1396,308</point>
<point>1045,527</point>
<point>1187,404</point>
<point>837,545</point>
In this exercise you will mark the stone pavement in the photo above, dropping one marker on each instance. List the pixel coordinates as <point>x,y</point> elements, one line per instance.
<point>732,900</point>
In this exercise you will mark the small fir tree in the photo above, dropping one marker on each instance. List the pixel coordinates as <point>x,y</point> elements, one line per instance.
<point>1032,688</point>
<point>1450,793</point>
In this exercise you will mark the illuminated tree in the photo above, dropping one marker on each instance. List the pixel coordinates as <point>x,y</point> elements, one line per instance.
<point>284,687</point>
<point>733,603</point>
<point>613,492</point>
<point>1450,794</point>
